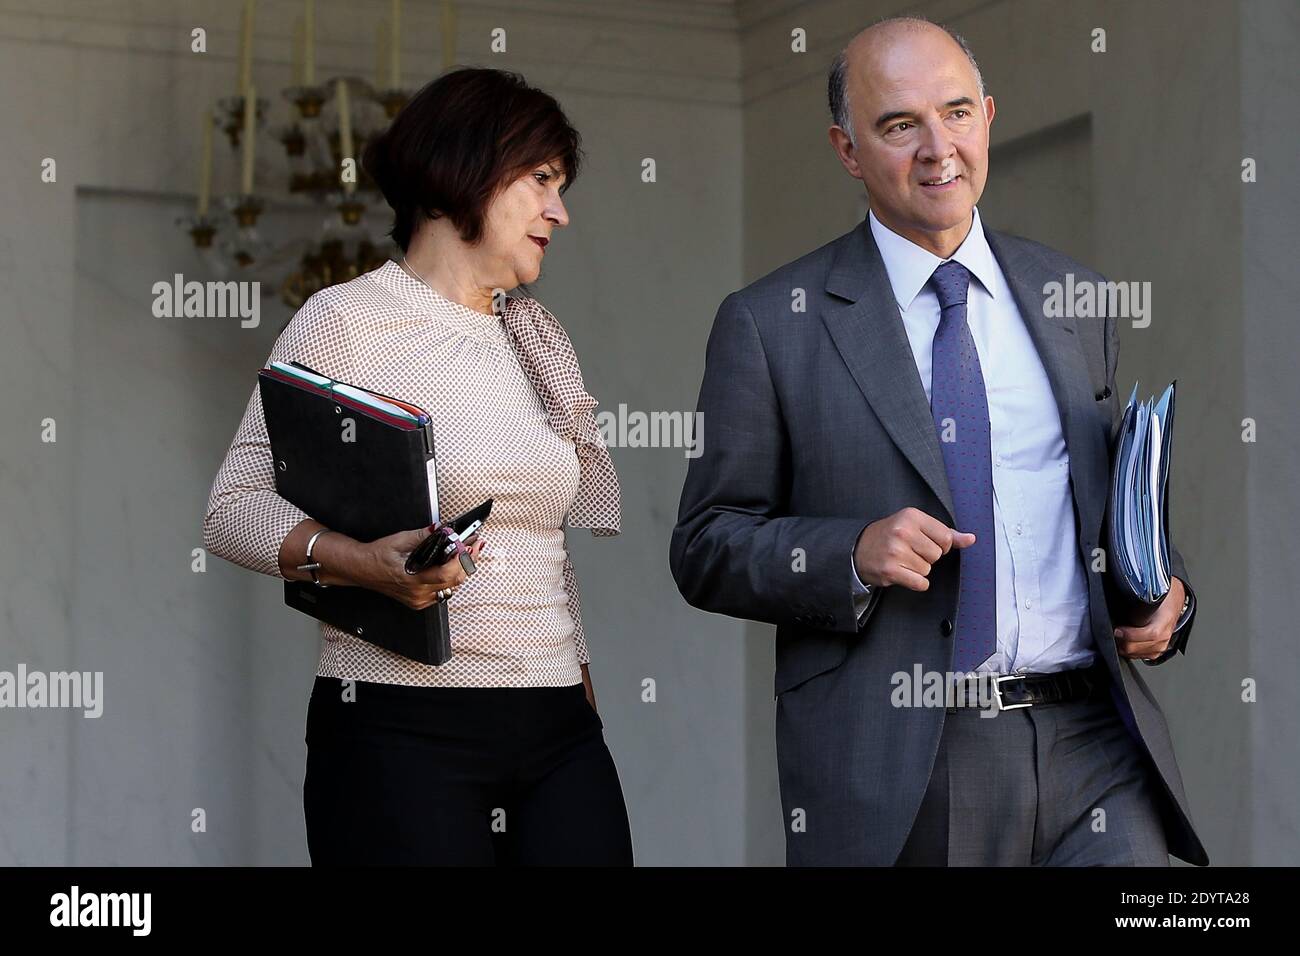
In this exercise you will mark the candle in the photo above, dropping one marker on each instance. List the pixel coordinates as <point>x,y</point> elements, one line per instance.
<point>309,38</point>
<point>345,129</point>
<point>249,140</point>
<point>448,34</point>
<point>395,47</point>
<point>298,44</point>
<point>205,166</point>
<point>381,53</point>
<point>246,49</point>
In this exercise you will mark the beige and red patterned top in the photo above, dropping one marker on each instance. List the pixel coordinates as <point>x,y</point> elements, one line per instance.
<point>516,622</point>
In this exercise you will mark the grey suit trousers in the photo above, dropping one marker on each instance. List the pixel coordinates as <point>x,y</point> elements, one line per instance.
<point>1048,785</point>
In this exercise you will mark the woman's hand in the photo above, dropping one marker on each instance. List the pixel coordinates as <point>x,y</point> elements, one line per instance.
<point>387,569</point>
<point>591,691</point>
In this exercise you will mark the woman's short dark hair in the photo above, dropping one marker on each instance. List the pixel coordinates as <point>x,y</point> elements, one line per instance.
<point>461,139</point>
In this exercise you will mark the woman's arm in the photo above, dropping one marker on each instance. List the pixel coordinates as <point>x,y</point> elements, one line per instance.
<point>246,522</point>
<point>249,524</point>
<point>575,611</point>
<point>344,561</point>
<point>379,565</point>
<point>570,580</point>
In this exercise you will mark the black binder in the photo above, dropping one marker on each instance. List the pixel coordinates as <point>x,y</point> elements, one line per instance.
<point>373,486</point>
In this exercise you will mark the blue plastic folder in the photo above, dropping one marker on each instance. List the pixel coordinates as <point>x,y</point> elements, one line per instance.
<point>1137,508</point>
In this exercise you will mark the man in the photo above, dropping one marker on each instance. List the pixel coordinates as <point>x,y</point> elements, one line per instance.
<point>908,476</point>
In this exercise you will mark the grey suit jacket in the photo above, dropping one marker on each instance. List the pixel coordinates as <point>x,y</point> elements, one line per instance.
<point>818,425</point>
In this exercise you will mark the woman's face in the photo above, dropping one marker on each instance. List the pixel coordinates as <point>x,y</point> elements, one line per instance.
<point>518,225</point>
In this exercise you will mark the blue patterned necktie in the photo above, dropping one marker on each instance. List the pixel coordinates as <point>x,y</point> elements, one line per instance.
<point>961,414</point>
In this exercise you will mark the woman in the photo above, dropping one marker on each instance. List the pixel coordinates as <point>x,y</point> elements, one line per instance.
<point>497,756</point>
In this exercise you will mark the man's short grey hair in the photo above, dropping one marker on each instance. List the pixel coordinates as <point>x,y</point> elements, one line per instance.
<point>837,82</point>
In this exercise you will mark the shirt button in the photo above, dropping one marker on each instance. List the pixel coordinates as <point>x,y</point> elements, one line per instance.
<point>1019,530</point>
<point>997,461</point>
<point>1028,605</point>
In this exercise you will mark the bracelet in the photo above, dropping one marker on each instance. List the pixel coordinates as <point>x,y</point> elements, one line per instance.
<point>313,566</point>
<point>1188,603</point>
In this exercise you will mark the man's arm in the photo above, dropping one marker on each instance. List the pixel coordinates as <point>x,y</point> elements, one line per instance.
<point>1182,622</point>
<point>735,550</point>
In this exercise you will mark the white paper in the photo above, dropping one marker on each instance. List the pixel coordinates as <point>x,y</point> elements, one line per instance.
<point>432,467</point>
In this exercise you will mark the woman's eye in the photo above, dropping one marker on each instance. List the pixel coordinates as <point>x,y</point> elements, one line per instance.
<point>542,177</point>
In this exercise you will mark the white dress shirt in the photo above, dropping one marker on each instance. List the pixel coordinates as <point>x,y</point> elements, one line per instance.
<point>1042,594</point>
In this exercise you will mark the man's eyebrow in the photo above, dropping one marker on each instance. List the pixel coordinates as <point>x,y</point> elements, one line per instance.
<point>889,117</point>
<point>904,114</point>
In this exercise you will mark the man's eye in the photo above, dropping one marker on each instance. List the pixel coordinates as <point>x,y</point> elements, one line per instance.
<point>961,114</point>
<point>898,127</point>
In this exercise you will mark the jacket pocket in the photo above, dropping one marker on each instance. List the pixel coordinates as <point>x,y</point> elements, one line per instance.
<point>803,654</point>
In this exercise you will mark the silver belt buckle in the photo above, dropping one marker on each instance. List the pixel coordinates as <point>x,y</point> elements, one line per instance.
<point>997,691</point>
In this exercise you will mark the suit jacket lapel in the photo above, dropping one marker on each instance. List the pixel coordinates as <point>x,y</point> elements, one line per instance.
<point>868,333</point>
<point>1086,440</point>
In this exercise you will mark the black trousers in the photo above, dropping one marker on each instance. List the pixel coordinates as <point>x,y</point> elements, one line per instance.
<point>461,776</point>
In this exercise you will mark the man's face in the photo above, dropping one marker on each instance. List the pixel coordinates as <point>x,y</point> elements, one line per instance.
<point>922,134</point>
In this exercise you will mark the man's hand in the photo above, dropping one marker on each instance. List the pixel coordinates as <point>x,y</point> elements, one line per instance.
<point>591,691</point>
<point>902,548</point>
<point>1152,639</point>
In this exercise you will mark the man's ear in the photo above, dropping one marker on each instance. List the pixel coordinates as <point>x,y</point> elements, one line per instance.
<point>989,110</point>
<point>843,147</point>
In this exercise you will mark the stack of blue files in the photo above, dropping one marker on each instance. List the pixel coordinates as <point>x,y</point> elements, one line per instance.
<point>1137,511</point>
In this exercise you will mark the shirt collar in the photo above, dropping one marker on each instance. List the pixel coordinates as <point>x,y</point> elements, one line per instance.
<point>909,267</point>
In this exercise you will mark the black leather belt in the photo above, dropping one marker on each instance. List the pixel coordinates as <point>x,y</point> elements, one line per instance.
<point>1013,691</point>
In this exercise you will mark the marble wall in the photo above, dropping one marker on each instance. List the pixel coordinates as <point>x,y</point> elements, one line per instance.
<point>1268,36</point>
